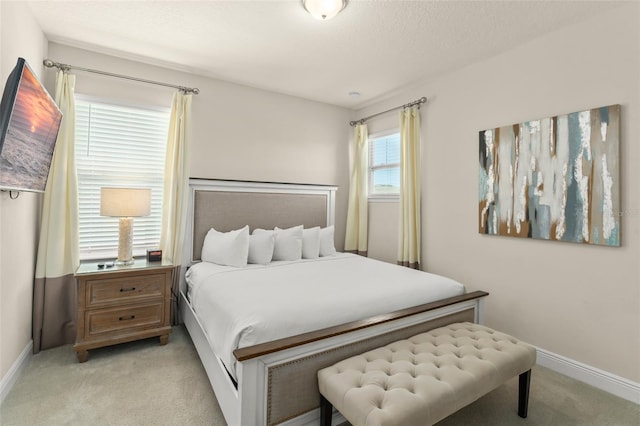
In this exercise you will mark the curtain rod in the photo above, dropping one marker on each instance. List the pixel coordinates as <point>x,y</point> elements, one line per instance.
<point>65,67</point>
<point>410,104</point>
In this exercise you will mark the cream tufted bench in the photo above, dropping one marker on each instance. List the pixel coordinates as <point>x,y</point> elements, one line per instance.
<point>422,380</point>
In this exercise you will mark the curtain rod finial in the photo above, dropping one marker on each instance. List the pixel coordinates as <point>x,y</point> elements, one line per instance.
<point>188,90</point>
<point>48,63</point>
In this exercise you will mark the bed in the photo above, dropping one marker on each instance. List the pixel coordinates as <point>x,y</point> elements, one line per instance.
<point>261,357</point>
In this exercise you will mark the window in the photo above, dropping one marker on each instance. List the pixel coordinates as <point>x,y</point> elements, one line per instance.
<point>384,165</point>
<point>118,146</point>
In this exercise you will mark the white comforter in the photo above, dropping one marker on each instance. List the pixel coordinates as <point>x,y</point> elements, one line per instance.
<point>240,307</point>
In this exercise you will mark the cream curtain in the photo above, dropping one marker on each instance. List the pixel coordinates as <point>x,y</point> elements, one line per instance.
<point>54,293</point>
<point>357,213</point>
<point>409,212</point>
<point>176,191</point>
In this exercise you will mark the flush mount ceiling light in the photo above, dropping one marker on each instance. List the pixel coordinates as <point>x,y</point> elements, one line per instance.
<point>324,9</point>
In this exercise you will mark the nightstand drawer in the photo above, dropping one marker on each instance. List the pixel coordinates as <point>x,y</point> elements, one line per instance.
<point>117,289</point>
<point>121,304</point>
<point>105,321</point>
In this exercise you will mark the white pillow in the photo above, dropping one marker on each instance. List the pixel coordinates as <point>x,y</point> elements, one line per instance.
<point>261,248</point>
<point>288,244</point>
<point>311,243</point>
<point>226,248</point>
<point>327,247</point>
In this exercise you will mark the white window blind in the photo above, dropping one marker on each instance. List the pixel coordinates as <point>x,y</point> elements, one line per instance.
<point>120,147</point>
<point>384,165</point>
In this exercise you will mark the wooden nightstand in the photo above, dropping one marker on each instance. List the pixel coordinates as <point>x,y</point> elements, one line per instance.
<point>122,303</point>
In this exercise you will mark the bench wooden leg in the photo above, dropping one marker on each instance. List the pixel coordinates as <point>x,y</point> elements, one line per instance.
<point>523,393</point>
<point>326,411</point>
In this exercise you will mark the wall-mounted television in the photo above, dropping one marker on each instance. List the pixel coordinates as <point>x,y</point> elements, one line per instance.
<point>29,125</point>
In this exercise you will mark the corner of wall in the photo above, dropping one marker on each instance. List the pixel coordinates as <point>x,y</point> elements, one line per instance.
<point>20,36</point>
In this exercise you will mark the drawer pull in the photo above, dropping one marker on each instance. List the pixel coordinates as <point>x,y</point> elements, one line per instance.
<point>123,290</point>
<point>128,317</point>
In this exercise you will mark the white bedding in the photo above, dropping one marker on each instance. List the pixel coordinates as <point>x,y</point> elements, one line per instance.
<point>240,307</point>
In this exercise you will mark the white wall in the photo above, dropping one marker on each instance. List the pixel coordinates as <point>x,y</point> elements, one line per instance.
<point>576,300</point>
<point>20,36</point>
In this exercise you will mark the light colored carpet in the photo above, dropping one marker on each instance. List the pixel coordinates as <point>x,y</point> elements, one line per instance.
<point>137,383</point>
<point>143,383</point>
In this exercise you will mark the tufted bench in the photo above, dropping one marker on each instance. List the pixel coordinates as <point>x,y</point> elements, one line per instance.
<point>423,379</point>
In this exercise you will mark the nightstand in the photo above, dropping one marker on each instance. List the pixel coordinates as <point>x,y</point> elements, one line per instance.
<point>121,304</point>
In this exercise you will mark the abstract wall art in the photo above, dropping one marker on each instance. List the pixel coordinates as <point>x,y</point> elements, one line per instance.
<point>555,178</point>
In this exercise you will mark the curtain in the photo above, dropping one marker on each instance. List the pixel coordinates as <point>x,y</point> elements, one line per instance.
<point>409,211</point>
<point>54,292</point>
<point>357,214</point>
<point>176,191</point>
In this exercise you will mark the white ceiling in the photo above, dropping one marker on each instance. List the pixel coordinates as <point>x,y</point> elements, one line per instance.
<point>371,47</point>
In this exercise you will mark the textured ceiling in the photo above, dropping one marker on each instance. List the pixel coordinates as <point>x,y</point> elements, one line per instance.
<point>371,47</point>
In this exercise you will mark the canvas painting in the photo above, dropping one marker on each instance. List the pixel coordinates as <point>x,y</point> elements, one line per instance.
<point>555,178</point>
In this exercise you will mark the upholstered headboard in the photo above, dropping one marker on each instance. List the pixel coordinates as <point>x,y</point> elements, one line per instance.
<point>229,205</point>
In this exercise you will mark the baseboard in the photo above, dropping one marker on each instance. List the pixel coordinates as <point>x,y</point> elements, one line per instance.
<point>595,377</point>
<point>608,382</point>
<point>12,375</point>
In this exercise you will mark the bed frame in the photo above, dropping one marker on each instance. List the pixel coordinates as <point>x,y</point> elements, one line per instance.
<point>276,381</point>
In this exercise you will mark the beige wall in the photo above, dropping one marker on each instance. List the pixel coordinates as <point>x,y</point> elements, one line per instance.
<point>20,36</point>
<point>383,230</point>
<point>238,133</point>
<point>579,301</point>
<point>574,300</point>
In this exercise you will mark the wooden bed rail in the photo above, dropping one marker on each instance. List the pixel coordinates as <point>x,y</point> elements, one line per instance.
<point>243,354</point>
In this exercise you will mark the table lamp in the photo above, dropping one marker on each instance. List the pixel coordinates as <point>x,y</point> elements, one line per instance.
<point>125,203</point>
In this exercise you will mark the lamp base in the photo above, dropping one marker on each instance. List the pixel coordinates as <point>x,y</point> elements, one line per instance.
<point>125,242</point>
<point>119,262</point>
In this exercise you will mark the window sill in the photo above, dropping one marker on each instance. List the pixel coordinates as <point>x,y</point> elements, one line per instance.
<point>109,255</point>
<point>384,198</point>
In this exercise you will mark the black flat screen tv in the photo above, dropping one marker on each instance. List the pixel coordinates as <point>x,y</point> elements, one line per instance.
<point>29,125</point>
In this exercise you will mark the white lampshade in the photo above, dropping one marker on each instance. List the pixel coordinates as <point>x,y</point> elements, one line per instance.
<point>125,202</point>
<point>324,9</point>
